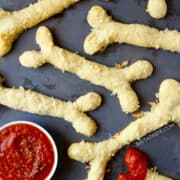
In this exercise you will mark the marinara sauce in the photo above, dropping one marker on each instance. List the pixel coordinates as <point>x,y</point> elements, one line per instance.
<point>26,153</point>
<point>137,164</point>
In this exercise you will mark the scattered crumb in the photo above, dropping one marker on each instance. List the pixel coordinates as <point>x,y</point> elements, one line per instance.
<point>138,115</point>
<point>122,65</point>
<point>152,103</point>
<point>87,165</point>
<point>108,170</point>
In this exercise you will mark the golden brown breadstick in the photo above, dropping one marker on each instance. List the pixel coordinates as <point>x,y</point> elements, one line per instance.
<point>34,102</point>
<point>13,23</point>
<point>107,31</point>
<point>98,154</point>
<point>157,8</point>
<point>116,80</point>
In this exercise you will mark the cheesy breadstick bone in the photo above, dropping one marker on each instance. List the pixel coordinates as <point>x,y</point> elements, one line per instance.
<point>157,8</point>
<point>107,31</point>
<point>99,153</point>
<point>14,23</point>
<point>34,102</point>
<point>116,80</point>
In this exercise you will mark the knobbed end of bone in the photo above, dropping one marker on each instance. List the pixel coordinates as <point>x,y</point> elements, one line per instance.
<point>82,151</point>
<point>93,44</point>
<point>7,36</point>
<point>97,16</point>
<point>88,102</point>
<point>141,69</point>
<point>5,39</point>
<point>44,38</point>
<point>88,127</point>
<point>157,8</point>
<point>170,92</point>
<point>130,105</point>
<point>35,59</point>
<point>74,152</point>
<point>32,59</point>
<point>128,99</point>
<point>168,89</point>
<point>169,96</point>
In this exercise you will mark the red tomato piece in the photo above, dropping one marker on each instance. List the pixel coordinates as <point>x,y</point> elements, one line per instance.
<point>136,162</point>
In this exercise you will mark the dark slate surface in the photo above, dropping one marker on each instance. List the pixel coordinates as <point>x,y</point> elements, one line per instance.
<point>70,29</point>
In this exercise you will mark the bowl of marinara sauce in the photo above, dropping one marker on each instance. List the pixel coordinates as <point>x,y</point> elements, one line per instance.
<point>27,152</point>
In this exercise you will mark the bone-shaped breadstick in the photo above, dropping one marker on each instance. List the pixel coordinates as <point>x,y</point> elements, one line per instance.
<point>13,23</point>
<point>116,80</point>
<point>157,8</point>
<point>34,102</point>
<point>99,153</point>
<point>107,31</point>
